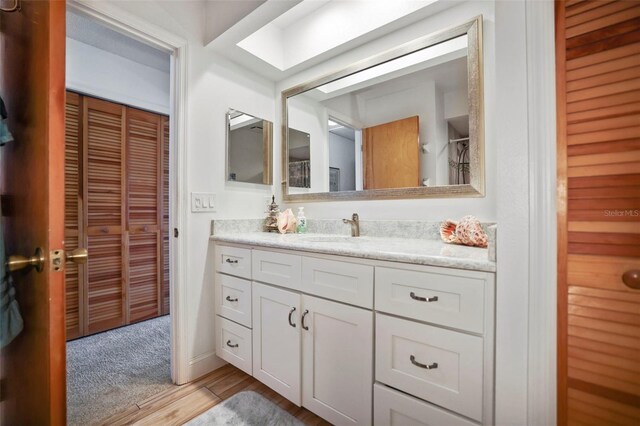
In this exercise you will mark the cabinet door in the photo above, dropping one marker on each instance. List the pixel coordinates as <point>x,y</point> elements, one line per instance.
<point>337,360</point>
<point>276,340</point>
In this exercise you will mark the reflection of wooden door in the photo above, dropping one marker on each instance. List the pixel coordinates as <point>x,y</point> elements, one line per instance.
<point>391,154</point>
<point>32,79</point>
<point>598,77</point>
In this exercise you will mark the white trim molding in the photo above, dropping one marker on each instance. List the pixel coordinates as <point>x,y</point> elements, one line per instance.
<point>542,345</point>
<point>119,20</point>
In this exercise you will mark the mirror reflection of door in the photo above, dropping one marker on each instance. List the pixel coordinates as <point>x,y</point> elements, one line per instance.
<point>299,159</point>
<point>391,154</point>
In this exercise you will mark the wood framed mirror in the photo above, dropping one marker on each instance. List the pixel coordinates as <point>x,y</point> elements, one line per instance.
<point>406,123</point>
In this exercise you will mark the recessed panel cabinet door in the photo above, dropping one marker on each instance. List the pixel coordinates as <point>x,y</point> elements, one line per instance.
<point>276,340</point>
<point>337,361</point>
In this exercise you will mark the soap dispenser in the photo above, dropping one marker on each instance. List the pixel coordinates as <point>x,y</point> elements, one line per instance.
<point>302,221</point>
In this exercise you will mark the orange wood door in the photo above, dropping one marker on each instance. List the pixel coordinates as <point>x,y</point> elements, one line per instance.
<point>165,217</point>
<point>32,79</point>
<point>391,154</point>
<point>598,87</point>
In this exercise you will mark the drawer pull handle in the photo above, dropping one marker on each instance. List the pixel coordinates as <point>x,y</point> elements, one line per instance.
<point>423,299</point>
<point>230,345</point>
<point>231,261</point>
<point>421,365</point>
<point>291,313</point>
<point>306,311</point>
<point>228,298</point>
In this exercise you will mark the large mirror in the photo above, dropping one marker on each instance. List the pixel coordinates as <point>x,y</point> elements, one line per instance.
<point>404,124</point>
<point>249,148</point>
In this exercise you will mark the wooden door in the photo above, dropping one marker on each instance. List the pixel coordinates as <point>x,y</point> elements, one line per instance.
<point>144,177</point>
<point>391,154</point>
<point>337,361</point>
<point>598,107</point>
<point>276,340</point>
<point>104,127</point>
<point>32,78</point>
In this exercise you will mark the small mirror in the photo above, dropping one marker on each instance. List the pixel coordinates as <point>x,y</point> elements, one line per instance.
<point>249,141</point>
<point>406,123</point>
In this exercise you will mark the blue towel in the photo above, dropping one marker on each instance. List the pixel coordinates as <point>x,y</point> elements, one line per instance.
<point>11,323</point>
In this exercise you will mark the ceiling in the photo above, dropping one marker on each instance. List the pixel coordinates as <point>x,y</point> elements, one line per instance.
<point>280,38</point>
<point>89,31</point>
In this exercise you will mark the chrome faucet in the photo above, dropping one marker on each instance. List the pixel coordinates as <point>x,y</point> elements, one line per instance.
<point>355,224</point>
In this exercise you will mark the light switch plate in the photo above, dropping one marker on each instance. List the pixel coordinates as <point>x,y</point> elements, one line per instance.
<point>203,202</point>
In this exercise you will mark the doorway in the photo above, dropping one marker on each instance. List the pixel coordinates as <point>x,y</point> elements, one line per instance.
<point>117,206</point>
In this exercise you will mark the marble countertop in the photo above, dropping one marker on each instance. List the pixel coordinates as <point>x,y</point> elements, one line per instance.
<point>418,251</point>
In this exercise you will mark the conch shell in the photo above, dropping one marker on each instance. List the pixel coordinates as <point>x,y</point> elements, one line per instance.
<point>467,231</point>
<point>286,222</point>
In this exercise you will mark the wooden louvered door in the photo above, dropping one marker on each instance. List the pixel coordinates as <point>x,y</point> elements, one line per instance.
<point>117,205</point>
<point>598,107</point>
<point>73,223</point>
<point>144,176</point>
<point>104,127</point>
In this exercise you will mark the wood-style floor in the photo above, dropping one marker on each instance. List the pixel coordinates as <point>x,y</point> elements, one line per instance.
<point>182,403</point>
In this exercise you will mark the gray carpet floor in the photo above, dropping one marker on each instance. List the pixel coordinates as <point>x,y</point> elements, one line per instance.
<point>245,409</point>
<point>111,371</point>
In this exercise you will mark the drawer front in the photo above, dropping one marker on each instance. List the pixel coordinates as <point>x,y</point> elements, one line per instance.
<point>234,344</point>
<point>444,298</point>
<point>233,261</point>
<point>404,350</point>
<point>393,408</point>
<point>233,299</point>
<point>277,268</point>
<point>341,281</point>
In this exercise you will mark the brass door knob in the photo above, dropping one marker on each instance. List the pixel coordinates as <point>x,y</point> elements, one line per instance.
<point>631,279</point>
<point>79,255</point>
<point>16,262</point>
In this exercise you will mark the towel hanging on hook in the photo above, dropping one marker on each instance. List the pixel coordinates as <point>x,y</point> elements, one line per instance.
<point>14,8</point>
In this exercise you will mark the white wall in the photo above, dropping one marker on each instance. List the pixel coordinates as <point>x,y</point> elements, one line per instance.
<point>213,86</point>
<point>103,74</point>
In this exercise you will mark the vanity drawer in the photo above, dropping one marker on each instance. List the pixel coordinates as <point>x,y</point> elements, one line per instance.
<point>404,350</point>
<point>446,297</point>
<point>393,408</point>
<point>233,344</point>
<point>341,281</point>
<point>234,261</point>
<point>233,299</point>
<point>277,268</point>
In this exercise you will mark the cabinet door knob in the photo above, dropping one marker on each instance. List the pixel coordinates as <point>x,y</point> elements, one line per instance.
<point>291,313</point>
<point>231,345</point>
<point>421,365</point>
<point>228,298</point>
<point>306,311</point>
<point>423,299</point>
<point>631,279</point>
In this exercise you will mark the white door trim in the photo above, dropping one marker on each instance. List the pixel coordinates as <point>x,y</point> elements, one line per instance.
<point>134,27</point>
<point>542,345</point>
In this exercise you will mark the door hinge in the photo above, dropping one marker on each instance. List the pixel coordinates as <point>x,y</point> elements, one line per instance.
<point>175,232</point>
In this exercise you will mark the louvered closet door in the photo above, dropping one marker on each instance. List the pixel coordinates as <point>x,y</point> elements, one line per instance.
<point>103,126</point>
<point>165,216</point>
<point>145,176</point>
<point>73,229</point>
<point>598,60</point>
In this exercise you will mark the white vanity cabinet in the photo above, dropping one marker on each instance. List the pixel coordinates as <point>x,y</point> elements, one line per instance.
<point>360,341</point>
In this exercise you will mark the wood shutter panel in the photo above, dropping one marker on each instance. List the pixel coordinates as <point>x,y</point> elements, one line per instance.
<point>104,126</point>
<point>598,77</point>
<point>144,175</point>
<point>165,216</point>
<point>73,229</point>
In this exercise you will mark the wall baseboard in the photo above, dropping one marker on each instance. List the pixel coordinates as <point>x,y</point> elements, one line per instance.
<point>204,364</point>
